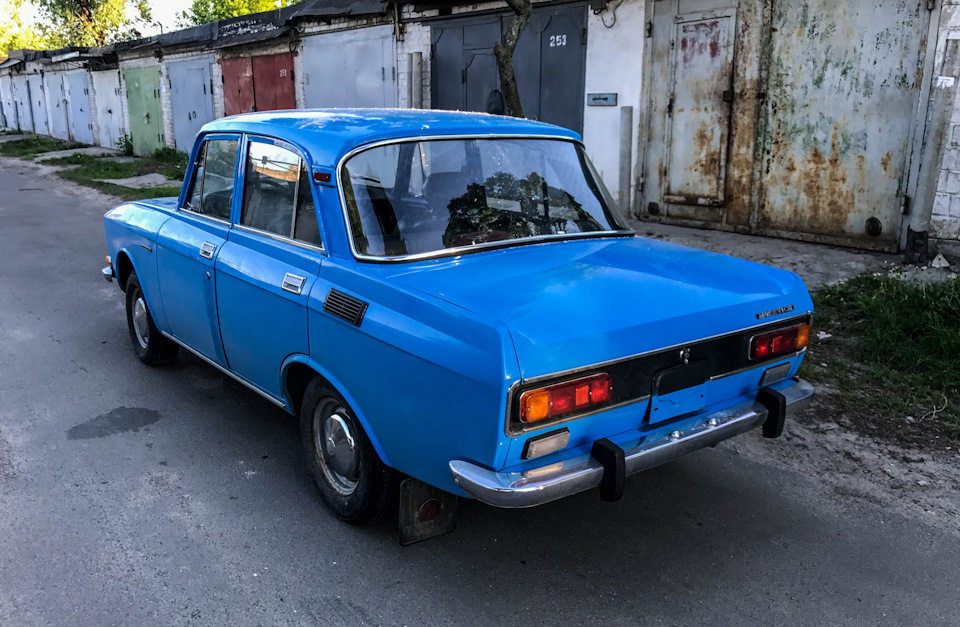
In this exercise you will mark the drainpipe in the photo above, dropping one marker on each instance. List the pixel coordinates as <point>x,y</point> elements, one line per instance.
<point>944,91</point>
<point>626,157</point>
<point>416,81</point>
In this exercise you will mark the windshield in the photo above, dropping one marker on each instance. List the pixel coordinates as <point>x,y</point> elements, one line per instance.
<point>416,198</point>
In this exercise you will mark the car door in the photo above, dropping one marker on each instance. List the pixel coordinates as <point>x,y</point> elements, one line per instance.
<point>187,248</point>
<point>269,264</point>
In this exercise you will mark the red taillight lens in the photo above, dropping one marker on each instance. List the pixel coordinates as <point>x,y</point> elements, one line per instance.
<point>564,398</point>
<point>779,342</point>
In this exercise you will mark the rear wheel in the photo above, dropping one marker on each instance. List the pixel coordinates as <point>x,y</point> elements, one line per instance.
<point>151,347</point>
<point>354,483</point>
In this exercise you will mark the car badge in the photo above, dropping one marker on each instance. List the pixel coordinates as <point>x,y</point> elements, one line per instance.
<point>774,312</point>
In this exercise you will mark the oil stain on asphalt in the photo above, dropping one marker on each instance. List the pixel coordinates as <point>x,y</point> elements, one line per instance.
<point>119,420</point>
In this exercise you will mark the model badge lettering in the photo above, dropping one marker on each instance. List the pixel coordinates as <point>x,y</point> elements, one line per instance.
<point>774,312</point>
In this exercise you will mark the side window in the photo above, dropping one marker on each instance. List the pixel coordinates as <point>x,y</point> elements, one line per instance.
<point>211,191</point>
<point>276,194</point>
<point>306,228</point>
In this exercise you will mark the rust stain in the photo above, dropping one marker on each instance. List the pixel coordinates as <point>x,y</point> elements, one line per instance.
<point>885,161</point>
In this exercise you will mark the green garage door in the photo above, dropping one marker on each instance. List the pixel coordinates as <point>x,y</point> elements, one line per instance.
<point>143,104</point>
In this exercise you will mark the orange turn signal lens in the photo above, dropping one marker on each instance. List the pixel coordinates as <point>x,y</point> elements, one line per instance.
<point>564,398</point>
<point>535,405</point>
<point>803,336</point>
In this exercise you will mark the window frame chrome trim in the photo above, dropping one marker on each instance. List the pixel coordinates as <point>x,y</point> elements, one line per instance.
<point>308,166</point>
<point>458,250</point>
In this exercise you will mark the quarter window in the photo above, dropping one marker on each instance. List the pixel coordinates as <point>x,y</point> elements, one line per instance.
<point>276,194</point>
<point>211,191</point>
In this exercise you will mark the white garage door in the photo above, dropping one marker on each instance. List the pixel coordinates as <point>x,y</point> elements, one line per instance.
<point>351,69</point>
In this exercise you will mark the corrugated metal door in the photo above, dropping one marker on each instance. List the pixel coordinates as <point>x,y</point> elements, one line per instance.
<point>350,69</point>
<point>143,105</point>
<point>106,88</point>
<point>191,99</point>
<point>38,104</point>
<point>21,93</point>
<point>237,86</point>
<point>549,63</point>
<point>57,99</point>
<point>273,86</point>
<point>842,96</point>
<point>80,121</point>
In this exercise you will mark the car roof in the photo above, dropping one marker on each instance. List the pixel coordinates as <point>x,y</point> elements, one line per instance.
<point>328,134</point>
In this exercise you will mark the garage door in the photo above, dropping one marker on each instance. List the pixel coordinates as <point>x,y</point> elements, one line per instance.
<point>351,69</point>
<point>261,83</point>
<point>191,99</point>
<point>81,122</point>
<point>106,87</point>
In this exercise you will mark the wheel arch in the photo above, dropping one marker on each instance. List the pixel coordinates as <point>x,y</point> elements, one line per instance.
<point>297,373</point>
<point>124,265</point>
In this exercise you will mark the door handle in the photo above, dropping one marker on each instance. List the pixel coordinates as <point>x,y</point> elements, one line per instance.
<point>207,249</point>
<point>293,283</point>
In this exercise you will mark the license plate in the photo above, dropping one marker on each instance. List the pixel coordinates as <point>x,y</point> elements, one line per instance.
<point>678,391</point>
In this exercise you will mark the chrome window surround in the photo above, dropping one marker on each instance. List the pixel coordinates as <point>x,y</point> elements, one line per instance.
<point>304,163</point>
<point>217,136</point>
<point>459,250</point>
<point>571,374</point>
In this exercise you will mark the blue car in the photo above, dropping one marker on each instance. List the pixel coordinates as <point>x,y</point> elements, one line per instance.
<point>452,298</point>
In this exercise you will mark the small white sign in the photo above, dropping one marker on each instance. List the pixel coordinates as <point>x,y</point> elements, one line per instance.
<point>945,81</point>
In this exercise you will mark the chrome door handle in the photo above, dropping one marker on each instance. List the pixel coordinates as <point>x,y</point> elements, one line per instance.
<point>293,283</point>
<point>207,249</point>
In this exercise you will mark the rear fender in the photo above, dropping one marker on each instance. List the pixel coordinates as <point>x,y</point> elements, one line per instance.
<point>341,389</point>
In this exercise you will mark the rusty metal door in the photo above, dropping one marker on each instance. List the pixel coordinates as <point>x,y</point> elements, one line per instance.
<point>843,91</point>
<point>273,82</point>
<point>698,122</point>
<point>237,86</point>
<point>699,119</point>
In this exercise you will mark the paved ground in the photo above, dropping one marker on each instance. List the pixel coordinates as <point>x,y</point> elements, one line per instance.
<point>135,496</point>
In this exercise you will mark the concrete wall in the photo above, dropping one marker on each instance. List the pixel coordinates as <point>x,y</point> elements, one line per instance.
<point>615,40</point>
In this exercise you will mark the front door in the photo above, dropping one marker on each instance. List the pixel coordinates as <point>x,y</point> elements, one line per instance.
<point>188,246</point>
<point>268,266</point>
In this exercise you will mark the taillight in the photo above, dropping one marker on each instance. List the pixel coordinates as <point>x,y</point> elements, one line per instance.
<point>780,342</point>
<point>565,398</point>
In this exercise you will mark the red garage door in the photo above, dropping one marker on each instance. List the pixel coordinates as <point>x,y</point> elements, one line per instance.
<point>262,83</point>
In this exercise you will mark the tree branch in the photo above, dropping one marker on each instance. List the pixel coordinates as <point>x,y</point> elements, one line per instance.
<point>504,53</point>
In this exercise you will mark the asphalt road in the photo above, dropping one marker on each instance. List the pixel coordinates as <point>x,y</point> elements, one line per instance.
<point>131,496</point>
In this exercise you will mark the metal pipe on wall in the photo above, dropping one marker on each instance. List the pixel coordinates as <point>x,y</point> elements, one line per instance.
<point>416,81</point>
<point>626,157</point>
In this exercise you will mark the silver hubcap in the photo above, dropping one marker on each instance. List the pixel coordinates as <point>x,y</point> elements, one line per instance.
<point>140,323</point>
<point>335,448</point>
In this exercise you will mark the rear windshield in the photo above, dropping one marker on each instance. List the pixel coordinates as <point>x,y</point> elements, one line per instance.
<point>417,198</point>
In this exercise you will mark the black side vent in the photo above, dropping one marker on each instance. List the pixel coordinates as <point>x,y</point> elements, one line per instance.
<point>345,306</point>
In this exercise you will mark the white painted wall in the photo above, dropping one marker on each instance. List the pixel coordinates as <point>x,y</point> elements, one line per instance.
<point>416,38</point>
<point>614,65</point>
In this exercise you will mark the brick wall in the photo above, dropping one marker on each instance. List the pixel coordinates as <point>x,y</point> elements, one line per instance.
<point>416,38</point>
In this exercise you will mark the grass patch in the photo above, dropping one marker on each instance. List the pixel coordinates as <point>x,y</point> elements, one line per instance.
<point>30,146</point>
<point>894,352</point>
<point>91,171</point>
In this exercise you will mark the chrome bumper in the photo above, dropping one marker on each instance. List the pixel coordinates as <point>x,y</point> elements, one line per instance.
<point>107,273</point>
<point>554,481</point>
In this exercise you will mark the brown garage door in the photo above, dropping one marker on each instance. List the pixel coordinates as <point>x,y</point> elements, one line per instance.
<point>262,83</point>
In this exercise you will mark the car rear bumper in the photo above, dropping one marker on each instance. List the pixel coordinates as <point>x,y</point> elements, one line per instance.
<point>557,480</point>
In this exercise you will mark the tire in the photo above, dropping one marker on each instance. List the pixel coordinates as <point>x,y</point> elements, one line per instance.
<point>354,483</point>
<point>151,347</point>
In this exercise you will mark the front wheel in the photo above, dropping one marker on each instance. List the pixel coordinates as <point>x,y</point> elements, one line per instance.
<point>151,347</point>
<point>354,483</point>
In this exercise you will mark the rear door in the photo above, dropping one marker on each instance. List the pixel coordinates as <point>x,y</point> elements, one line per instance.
<point>268,266</point>
<point>188,246</point>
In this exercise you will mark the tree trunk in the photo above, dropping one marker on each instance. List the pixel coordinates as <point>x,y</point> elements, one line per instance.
<point>504,53</point>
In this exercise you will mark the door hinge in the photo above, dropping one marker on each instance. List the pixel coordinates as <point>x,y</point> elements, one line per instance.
<point>905,205</point>
<point>463,76</point>
<point>650,28</point>
<point>931,5</point>
<point>583,35</point>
